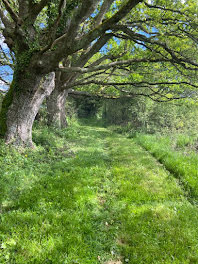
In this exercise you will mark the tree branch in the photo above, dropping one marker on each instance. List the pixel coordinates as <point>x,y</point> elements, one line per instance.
<point>124,94</point>
<point>7,23</point>
<point>83,59</point>
<point>164,9</point>
<point>77,94</point>
<point>67,41</point>
<point>103,10</point>
<point>36,8</point>
<point>135,84</point>
<point>93,50</point>
<point>52,33</point>
<point>4,81</point>
<point>13,15</point>
<point>108,66</point>
<point>82,13</point>
<point>175,55</point>
<point>106,25</point>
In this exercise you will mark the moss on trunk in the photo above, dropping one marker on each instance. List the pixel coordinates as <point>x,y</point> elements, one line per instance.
<point>4,109</point>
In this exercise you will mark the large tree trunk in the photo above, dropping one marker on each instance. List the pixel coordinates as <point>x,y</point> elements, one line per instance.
<point>56,108</point>
<point>21,106</point>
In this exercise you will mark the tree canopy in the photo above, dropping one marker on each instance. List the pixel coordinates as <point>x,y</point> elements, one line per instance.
<point>109,47</point>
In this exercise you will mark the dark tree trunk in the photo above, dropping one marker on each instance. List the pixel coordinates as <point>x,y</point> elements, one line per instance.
<point>23,103</point>
<point>56,108</point>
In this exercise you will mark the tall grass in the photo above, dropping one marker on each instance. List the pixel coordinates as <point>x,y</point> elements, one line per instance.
<point>86,195</point>
<point>178,155</point>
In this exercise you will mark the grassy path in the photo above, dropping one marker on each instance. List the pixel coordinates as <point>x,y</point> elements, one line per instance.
<point>106,201</point>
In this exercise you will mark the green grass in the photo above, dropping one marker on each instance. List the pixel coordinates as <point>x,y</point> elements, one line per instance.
<point>87,195</point>
<point>178,156</point>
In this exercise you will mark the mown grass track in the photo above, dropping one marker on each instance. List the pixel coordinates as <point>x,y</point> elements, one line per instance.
<point>87,195</point>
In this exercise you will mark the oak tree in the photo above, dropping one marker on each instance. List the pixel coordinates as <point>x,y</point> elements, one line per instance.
<point>68,38</point>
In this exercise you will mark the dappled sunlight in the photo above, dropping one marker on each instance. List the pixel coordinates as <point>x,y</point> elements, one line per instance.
<point>100,198</point>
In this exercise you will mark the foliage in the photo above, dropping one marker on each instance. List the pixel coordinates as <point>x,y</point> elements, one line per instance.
<point>158,39</point>
<point>87,107</point>
<point>142,114</point>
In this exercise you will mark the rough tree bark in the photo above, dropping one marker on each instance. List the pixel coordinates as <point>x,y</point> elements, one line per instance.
<point>56,108</point>
<point>26,98</point>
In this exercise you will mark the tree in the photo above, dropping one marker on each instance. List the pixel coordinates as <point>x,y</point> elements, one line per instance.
<point>153,55</point>
<point>56,114</point>
<point>38,49</point>
<point>63,36</point>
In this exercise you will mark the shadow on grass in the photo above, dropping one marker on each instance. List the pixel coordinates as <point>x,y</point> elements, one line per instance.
<point>57,218</point>
<point>50,222</point>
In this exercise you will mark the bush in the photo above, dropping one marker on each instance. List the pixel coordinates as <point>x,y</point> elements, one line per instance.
<point>144,115</point>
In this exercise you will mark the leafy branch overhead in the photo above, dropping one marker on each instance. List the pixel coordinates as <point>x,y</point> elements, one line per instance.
<point>129,41</point>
